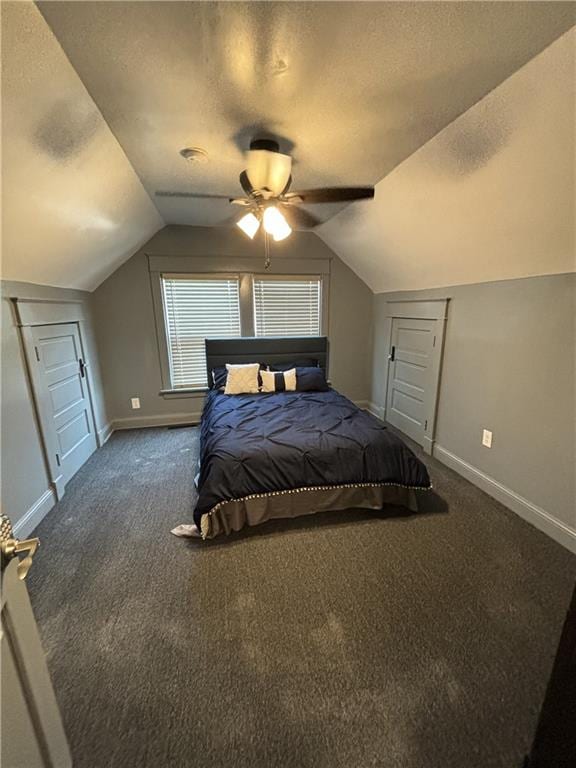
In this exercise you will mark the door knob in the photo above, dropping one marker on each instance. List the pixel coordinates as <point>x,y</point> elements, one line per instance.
<point>11,547</point>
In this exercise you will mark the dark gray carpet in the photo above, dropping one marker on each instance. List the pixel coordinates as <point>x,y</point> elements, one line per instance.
<point>348,640</point>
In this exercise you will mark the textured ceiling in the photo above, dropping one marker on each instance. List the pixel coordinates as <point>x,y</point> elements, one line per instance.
<point>73,209</point>
<point>491,197</point>
<point>352,88</point>
<point>92,128</point>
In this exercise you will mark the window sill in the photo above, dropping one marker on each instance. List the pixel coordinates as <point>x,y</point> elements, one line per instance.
<point>172,394</point>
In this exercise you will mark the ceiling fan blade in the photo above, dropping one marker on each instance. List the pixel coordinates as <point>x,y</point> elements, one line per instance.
<point>199,195</point>
<point>246,183</point>
<point>240,201</point>
<point>298,218</point>
<point>331,194</point>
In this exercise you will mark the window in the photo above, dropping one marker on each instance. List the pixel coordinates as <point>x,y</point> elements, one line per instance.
<point>195,309</point>
<point>191,305</point>
<point>287,307</point>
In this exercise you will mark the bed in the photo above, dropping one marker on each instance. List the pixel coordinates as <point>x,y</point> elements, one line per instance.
<point>287,454</point>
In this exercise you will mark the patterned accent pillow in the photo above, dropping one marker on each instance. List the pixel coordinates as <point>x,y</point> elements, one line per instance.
<point>278,381</point>
<point>220,374</point>
<point>242,379</point>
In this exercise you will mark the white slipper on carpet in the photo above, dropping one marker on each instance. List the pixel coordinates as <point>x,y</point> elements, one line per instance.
<point>187,531</point>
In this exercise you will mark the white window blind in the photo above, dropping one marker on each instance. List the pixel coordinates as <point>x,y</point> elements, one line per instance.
<point>197,309</point>
<point>287,307</point>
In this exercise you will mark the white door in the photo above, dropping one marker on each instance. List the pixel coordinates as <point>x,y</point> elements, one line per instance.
<point>32,731</point>
<point>66,408</point>
<point>411,377</point>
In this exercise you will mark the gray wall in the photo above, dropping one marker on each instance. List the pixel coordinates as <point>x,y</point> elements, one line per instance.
<point>508,366</point>
<point>127,335</point>
<point>24,474</point>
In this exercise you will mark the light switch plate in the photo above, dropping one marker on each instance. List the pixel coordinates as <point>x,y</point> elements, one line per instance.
<point>487,438</point>
<point>135,403</point>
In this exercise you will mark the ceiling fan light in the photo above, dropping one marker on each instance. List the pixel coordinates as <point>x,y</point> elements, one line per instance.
<point>268,170</point>
<point>249,224</point>
<point>283,234</point>
<point>275,224</point>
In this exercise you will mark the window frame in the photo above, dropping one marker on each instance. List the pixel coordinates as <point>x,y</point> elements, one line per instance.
<point>247,318</point>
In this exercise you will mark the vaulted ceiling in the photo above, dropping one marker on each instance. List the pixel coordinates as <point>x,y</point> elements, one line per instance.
<point>490,197</point>
<point>73,209</point>
<point>93,128</point>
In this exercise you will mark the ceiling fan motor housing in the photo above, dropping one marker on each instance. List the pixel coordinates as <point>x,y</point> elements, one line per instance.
<point>268,144</point>
<point>267,167</point>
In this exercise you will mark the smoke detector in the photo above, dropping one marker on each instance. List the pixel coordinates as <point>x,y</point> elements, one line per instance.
<point>194,154</point>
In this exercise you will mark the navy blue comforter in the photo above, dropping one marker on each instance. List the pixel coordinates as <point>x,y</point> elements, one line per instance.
<point>271,442</point>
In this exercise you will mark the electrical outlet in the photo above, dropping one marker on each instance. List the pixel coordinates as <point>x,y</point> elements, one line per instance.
<point>135,401</point>
<point>487,438</point>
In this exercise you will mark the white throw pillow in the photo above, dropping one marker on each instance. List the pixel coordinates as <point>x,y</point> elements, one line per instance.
<point>279,381</point>
<point>242,379</point>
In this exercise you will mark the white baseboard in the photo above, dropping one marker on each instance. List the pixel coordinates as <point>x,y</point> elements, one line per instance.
<point>530,512</point>
<point>166,420</point>
<point>105,434</point>
<point>361,404</point>
<point>24,527</point>
<point>376,410</point>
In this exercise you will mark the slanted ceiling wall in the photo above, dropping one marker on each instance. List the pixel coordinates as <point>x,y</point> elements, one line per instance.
<point>491,197</point>
<point>73,208</point>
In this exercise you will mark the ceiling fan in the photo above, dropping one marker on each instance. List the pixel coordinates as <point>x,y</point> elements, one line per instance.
<point>270,203</point>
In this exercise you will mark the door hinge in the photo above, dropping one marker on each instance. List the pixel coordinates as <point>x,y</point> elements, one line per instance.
<point>425,425</point>
<point>434,342</point>
<point>37,354</point>
<point>58,459</point>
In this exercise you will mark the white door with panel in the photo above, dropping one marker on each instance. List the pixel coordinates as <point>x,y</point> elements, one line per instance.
<point>65,403</point>
<point>31,726</point>
<point>412,372</point>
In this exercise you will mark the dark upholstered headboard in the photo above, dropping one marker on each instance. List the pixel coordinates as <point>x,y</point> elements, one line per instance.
<point>266,350</point>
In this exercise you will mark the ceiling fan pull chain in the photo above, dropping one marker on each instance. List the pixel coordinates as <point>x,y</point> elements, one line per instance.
<point>266,251</point>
